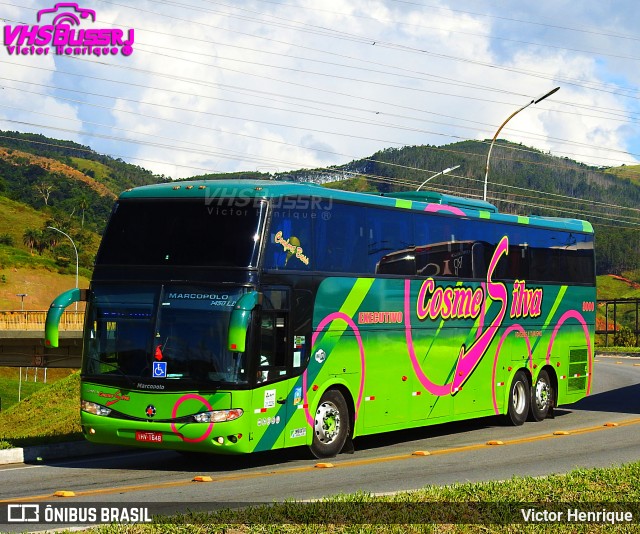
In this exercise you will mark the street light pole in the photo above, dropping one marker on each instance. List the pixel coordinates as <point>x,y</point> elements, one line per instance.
<point>74,248</point>
<point>534,101</point>
<point>449,169</point>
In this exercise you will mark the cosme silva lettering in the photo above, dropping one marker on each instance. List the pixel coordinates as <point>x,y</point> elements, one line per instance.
<point>460,302</point>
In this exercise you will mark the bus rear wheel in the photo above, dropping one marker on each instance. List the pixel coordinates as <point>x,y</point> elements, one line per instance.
<point>519,399</point>
<point>542,395</point>
<point>330,425</point>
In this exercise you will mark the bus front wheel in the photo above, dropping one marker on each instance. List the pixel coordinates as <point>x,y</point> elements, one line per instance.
<point>541,397</point>
<point>330,425</point>
<point>519,399</point>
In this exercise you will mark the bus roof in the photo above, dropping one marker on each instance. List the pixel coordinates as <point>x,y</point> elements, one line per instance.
<point>447,205</point>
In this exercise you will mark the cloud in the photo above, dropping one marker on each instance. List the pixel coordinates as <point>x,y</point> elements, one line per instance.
<point>251,85</point>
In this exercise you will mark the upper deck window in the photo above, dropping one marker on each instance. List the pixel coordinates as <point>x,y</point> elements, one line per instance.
<point>177,232</point>
<point>336,237</point>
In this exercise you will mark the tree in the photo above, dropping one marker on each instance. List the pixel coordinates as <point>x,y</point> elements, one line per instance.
<point>6,239</point>
<point>83,204</point>
<point>31,238</point>
<point>45,190</point>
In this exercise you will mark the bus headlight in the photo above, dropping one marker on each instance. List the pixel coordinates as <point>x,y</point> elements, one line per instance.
<point>217,416</point>
<point>94,408</point>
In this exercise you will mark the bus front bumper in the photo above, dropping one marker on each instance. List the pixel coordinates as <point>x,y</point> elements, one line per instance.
<point>216,438</point>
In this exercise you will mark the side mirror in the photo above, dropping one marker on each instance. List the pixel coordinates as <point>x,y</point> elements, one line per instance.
<point>52,324</point>
<point>240,319</point>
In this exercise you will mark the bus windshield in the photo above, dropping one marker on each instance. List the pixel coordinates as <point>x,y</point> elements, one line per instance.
<point>163,334</point>
<point>184,232</point>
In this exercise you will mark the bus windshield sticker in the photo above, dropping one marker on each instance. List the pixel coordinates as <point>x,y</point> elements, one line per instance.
<point>159,369</point>
<point>298,433</point>
<point>297,395</point>
<point>269,398</point>
<point>292,247</point>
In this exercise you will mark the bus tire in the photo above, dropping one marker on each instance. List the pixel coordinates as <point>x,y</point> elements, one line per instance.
<point>330,425</point>
<point>542,396</point>
<point>519,399</point>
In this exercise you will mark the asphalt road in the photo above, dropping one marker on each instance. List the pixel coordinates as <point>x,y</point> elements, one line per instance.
<point>385,463</point>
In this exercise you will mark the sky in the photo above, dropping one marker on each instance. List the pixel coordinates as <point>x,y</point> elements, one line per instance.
<point>275,85</point>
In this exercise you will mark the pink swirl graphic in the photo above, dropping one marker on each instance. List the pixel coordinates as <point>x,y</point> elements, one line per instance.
<point>174,413</point>
<point>430,386</point>
<point>483,310</point>
<point>433,208</point>
<point>328,319</point>
<point>470,357</point>
<point>573,314</point>
<point>512,328</point>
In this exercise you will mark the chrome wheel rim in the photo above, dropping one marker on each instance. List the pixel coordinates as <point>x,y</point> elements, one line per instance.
<point>543,394</point>
<point>327,422</point>
<point>519,401</point>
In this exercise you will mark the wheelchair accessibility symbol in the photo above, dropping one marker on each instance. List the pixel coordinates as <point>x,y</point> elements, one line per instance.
<point>159,369</point>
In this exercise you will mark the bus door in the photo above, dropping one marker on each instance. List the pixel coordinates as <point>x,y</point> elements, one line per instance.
<point>273,368</point>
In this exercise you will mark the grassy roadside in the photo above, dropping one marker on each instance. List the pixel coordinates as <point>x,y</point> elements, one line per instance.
<point>631,351</point>
<point>33,379</point>
<point>467,508</point>
<point>49,415</point>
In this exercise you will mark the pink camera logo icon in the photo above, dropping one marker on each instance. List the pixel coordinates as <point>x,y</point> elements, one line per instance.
<point>57,32</point>
<point>68,17</point>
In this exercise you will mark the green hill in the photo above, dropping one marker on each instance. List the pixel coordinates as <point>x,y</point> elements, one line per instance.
<point>40,276</point>
<point>74,189</point>
<point>16,216</point>
<point>114,173</point>
<point>617,287</point>
<point>51,183</point>
<point>31,422</point>
<point>626,172</point>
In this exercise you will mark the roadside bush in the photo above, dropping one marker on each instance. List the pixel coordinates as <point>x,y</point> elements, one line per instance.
<point>624,337</point>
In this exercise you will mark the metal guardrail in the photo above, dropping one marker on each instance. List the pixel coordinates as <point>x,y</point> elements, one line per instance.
<point>35,319</point>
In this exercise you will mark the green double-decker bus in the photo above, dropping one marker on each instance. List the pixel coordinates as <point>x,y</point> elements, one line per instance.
<point>238,316</point>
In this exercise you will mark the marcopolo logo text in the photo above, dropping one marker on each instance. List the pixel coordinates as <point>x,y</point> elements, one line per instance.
<point>56,31</point>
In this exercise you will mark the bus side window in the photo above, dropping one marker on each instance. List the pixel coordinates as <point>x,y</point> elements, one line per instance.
<point>402,262</point>
<point>341,240</point>
<point>478,258</point>
<point>390,243</point>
